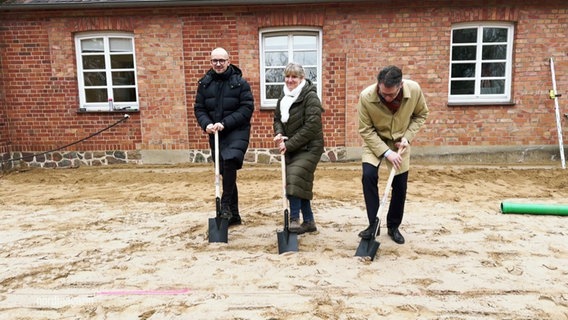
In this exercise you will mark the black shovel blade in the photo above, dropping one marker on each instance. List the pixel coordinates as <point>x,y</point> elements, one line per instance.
<point>287,241</point>
<point>367,248</point>
<point>218,230</point>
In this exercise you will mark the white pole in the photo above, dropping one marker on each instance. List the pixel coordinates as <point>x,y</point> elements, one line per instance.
<point>554,95</point>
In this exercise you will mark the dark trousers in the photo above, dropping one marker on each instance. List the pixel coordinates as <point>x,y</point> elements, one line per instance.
<point>370,180</point>
<point>230,197</point>
<point>297,205</point>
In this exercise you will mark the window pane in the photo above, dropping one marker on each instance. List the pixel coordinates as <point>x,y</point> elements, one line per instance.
<point>306,58</point>
<point>464,36</point>
<point>462,87</point>
<point>493,69</point>
<point>96,95</point>
<point>120,45</point>
<point>94,62</point>
<point>305,42</point>
<point>274,75</point>
<point>124,95</point>
<point>94,79</point>
<point>92,45</point>
<point>276,43</point>
<point>492,86</point>
<point>279,58</point>
<point>463,53</point>
<point>480,70</point>
<point>494,52</point>
<point>494,35</point>
<point>122,61</point>
<point>463,70</point>
<point>278,49</point>
<point>312,74</point>
<point>274,91</point>
<point>107,70</point>
<point>123,78</point>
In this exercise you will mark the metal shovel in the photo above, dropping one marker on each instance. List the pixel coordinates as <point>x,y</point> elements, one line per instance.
<point>287,241</point>
<point>218,226</point>
<point>369,247</point>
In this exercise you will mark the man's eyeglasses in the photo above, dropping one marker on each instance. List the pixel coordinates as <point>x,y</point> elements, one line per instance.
<point>390,95</point>
<point>220,61</point>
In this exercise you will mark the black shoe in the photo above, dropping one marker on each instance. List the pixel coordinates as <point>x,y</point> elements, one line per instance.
<point>367,233</point>
<point>396,236</point>
<point>225,213</point>
<point>235,219</point>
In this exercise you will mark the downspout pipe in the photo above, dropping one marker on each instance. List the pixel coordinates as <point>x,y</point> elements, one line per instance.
<point>534,208</point>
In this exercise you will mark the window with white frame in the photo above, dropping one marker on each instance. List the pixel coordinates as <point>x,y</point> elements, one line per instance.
<point>278,47</point>
<point>481,63</point>
<point>106,68</point>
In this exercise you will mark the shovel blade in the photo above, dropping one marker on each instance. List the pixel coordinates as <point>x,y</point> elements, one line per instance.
<point>367,248</point>
<point>287,241</point>
<point>218,230</point>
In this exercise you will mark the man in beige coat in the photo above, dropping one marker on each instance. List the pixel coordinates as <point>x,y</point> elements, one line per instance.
<point>391,112</point>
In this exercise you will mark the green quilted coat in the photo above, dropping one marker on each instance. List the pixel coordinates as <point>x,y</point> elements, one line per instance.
<point>305,143</point>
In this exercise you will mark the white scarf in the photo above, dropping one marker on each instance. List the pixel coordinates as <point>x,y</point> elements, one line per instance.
<point>289,98</point>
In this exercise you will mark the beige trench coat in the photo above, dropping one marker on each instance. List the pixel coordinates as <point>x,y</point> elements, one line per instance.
<point>380,128</point>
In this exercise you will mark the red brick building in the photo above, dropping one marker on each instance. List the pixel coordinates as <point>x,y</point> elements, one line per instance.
<point>484,67</point>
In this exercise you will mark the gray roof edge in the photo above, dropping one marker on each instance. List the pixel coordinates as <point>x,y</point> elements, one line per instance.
<point>94,4</point>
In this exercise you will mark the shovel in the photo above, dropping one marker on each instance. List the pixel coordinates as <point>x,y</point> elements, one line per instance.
<point>369,247</point>
<point>287,241</point>
<point>218,226</point>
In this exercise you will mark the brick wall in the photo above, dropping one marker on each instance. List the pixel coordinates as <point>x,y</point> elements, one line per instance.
<point>4,140</point>
<point>40,82</point>
<point>39,99</point>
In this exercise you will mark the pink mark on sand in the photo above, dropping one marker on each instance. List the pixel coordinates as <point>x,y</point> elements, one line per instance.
<point>142,292</point>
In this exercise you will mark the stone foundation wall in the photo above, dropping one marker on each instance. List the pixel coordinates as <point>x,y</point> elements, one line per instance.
<point>547,155</point>
<point>71,159</point>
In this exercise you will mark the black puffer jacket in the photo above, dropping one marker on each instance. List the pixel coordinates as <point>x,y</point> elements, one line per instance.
<point>226,98</point>
<point>305,143</point>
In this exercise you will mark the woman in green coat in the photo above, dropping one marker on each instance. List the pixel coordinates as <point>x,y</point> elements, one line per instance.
<point>299,135</point>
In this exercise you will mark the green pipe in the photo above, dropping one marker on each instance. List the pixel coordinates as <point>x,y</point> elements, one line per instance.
<point>533,208</point>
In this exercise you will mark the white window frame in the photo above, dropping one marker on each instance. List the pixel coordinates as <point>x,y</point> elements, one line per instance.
<point>110,105</point>
<point>266,103</point>
<point>478,98</point>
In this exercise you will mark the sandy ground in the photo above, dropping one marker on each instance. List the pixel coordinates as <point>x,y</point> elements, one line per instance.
<point>126,242</point>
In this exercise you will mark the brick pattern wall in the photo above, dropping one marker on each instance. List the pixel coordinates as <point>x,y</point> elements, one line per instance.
<point>39,95</point>
<point>159,54</point>
<point>41,87</point>
<point>4,139</point>
<point>203,32</point>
